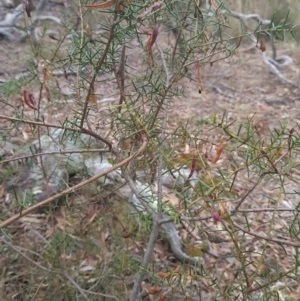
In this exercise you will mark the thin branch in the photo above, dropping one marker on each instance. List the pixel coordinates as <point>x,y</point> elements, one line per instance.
<point>83,130</point>
<point>98,67</point>
<point>279,241</point>
<point>268,210</point>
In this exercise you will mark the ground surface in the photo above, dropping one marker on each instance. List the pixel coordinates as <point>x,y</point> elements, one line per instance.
<point>243,87</point>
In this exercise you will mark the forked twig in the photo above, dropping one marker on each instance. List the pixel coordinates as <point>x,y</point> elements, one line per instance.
<point>57,126</point>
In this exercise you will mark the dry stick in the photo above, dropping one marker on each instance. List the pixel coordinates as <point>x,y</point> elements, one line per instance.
<point>82,130</point>
<point>73,188</point>
<point>267,209</point>
<point>98,67</point>
<point>120,75</point>
<point>276,240</point>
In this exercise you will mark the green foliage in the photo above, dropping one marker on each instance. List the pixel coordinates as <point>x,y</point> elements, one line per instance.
<point>92,247</point>
<point>11,88</point>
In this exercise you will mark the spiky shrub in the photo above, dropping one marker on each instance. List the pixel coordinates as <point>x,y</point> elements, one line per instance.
<point>113,71</point>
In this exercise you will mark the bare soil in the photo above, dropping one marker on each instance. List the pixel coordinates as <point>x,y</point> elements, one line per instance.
<point>244,87</point>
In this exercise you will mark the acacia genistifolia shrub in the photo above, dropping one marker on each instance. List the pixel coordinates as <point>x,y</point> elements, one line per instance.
<point>94,164</point>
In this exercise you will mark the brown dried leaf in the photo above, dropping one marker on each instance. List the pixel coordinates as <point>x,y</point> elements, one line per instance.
<point>198,78</point>
<point>222,211</point>
<point>150,290</point>
<point>215,216</point>
<point>177,269</point>
<point>153,7</point>
<point>47,73</point>
<point>47,93</point>
<point>213,4</point>
<point>219,151</point>
<point>220,16</point>
<point>28,6</point>
<point>186,159</point>
<point>164,275</point>
<point>262,46</point>
<point>193,167</point>
<point>152,38</point>
<point>172,174</point>
<point>88,31</point>
<point>124,4</point>
<point>151,42</point>
<point>53,37</point>
<point>153,290</point>
<point>162,297</point>
<point>101,5</point>
<point>290,137</point>
<point>29,100</point>
<point>92,96</point>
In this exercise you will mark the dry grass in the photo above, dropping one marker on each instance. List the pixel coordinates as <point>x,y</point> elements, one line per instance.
<point>91,246</point>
